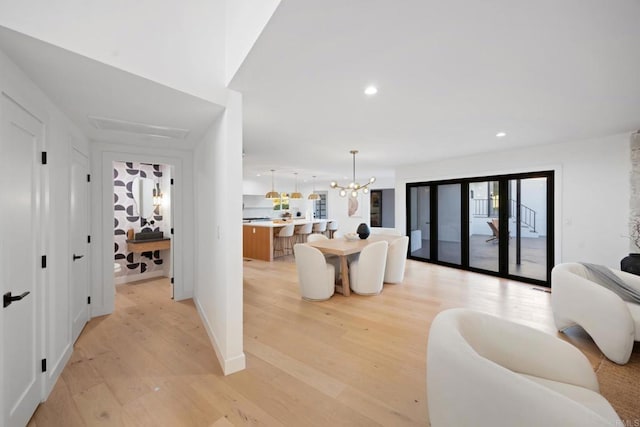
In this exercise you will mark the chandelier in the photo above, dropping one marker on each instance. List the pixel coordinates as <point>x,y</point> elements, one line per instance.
<point>353,186</point>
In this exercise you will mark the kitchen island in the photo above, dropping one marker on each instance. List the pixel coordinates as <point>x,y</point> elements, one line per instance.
<point>257,237</point>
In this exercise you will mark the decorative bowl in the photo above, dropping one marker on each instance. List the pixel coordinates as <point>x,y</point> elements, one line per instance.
<point>351,236</point>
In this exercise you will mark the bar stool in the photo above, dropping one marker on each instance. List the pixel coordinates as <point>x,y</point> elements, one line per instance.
<point>320,227</point>
<point>303,231</point>
<point>332,227</point>
<point>284,240</point>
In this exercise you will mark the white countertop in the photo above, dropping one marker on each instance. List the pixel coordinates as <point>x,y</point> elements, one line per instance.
<point>271,224</point>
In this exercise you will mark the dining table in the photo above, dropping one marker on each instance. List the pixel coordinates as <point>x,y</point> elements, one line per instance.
<point>343,247</point>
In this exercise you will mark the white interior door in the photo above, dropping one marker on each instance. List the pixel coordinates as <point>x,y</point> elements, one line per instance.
<point>20,270</point>
<point>79,244</point>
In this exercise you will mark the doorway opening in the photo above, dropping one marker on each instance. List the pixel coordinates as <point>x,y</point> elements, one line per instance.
<point>143,222</point>
<point>382,213</point>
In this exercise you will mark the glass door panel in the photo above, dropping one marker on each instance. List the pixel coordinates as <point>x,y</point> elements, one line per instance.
<point>449,223</point>
<point>528,228</point>
<point>420,222</point>
<point>483,225</point>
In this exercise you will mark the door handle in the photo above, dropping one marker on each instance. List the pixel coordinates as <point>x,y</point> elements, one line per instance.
<point>7,299</point>
<point>75,257</point>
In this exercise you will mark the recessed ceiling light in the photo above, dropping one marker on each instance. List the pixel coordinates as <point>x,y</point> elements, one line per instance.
<point>501,134</point>
<point>371,90</point>
<point>257,174</point>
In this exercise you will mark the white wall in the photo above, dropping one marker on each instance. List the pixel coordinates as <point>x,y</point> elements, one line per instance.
<point>61,136</point>
<point>388,208</point>
<point>245,20</point>
<point>337,209</point>
<point>103,154</point>
<point>591,191</point>
<point>178,44</point>
<point>218,219</point>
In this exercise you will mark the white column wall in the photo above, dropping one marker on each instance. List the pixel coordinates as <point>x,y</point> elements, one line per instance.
<point>218,219</point>
<point>591,191</point>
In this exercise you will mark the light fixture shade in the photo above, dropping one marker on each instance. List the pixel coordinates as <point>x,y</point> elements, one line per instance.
<point>273,194</point>
<point>296,194</point>
<point>313,195</point>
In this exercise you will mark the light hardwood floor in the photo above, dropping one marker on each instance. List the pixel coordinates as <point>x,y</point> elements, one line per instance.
<point>349,361</point>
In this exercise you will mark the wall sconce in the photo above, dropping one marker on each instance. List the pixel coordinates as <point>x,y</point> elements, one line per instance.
<point>157,195</point>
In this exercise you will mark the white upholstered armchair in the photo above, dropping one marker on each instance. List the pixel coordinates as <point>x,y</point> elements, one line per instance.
<point>612,323</point>
<point>484,371</point>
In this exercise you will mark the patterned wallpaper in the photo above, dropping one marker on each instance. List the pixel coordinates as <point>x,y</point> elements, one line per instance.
<point>126,217</point>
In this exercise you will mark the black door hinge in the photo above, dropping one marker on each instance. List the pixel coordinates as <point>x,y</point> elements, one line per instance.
<point>88,178</point>
<point>44,158</point>
<point>88,239</point>
<point>171,181</point>
<point>43,365</point>
<point>88,300</point>
<point>43,261</point>
<point>172,280</point>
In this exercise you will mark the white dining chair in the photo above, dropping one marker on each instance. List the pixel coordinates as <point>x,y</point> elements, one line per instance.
<point>396,260</point>
<point>385,231</point>
<point>316,277</point>
<point>331,259</point>
<point>366,274</point>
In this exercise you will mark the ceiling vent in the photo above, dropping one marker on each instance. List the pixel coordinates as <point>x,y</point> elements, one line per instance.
<point>104,123</point>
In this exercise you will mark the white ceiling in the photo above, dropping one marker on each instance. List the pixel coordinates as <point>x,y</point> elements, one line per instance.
<point>451,74</point>
<point>82,87</point>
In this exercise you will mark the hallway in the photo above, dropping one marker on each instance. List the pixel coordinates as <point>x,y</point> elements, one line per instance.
<point>132,367</point>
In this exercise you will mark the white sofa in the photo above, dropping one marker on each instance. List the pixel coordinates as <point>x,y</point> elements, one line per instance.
<point>486,371</point>
<point>612,323</point>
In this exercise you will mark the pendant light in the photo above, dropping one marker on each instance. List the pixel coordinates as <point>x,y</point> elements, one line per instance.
<point>314,195</point>
<point>353,186</point>
<point>273,194</point>
<point>296,194</point>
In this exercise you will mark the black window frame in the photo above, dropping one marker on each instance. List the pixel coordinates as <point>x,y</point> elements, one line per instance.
<point>503,242</point>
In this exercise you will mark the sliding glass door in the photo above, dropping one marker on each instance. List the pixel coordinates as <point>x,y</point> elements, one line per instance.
<point>420,225</point>
<point>484,223</point>
<point>449,224</point>
<point>528,228</point>
<point>500,225</point>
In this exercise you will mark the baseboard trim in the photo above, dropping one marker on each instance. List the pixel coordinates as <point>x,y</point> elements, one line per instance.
<point>53,376</point>
<point>120,280</point>
<point>229,366</point>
